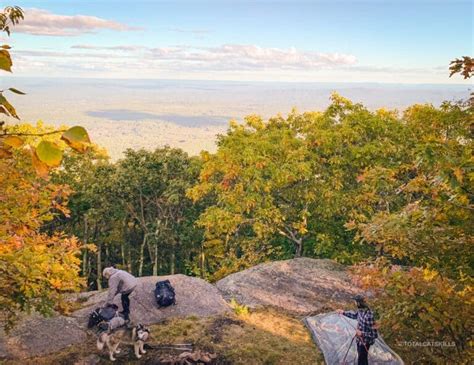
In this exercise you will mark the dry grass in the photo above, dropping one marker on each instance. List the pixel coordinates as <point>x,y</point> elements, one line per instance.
<point>259,337</point>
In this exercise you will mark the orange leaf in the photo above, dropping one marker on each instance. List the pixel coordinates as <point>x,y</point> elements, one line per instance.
<point>77,138</point>
<point>458,173</point>
<point>41,168</point>
<point>4,152</point>
<point>13,141</point>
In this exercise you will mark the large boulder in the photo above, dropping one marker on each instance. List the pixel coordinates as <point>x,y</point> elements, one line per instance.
<point>301,286</point>
<point>36,335</point>
<point>194,297</point>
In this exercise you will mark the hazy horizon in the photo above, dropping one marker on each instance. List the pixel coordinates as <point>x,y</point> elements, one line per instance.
<point>458,83</point>
<point>188,114</point>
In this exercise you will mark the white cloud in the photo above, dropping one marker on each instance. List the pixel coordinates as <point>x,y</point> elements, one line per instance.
<point>233,57</point>
<point>124,48</point>
<point>225,62</point>
<point>61,54</point>
<point>43,22</point>
<point>245,57</point>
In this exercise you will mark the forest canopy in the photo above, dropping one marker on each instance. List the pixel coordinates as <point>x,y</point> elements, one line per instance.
<point>346,183</point>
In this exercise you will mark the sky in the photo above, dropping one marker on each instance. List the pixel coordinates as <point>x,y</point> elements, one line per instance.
<point>302,41</point>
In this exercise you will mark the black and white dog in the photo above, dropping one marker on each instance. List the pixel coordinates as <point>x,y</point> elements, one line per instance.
<point>113,331</point>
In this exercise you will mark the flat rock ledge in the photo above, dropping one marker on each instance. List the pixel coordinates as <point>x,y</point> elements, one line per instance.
<point>36,335</point>
<point>300,286</point>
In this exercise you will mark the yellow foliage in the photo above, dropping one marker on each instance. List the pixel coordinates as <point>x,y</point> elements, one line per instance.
<point>35,267</point>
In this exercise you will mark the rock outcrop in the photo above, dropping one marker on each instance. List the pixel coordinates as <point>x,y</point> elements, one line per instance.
<point>36,335</point>
<point>300,286</point>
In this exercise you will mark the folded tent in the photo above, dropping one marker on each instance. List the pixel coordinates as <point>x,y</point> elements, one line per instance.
<point>334,334</point>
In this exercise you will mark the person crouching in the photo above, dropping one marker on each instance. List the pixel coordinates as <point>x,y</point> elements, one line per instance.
<point>120,282</point>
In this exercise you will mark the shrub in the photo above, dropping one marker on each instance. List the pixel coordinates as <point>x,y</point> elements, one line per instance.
<point>422,310</point>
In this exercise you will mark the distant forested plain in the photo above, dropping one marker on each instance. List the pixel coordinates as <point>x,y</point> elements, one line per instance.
<point>189,114</point>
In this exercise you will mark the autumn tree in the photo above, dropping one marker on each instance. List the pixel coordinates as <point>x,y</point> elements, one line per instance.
<point>431,191</point>
<point>262,181</point>
<point>134,212</point>
<point>426,228</point>
<point>152,187</point>
<point>35,267</point>
<point>290,185</point>
<point>343,141</point>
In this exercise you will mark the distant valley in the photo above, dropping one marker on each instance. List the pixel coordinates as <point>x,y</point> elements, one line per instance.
<point>121,114</point>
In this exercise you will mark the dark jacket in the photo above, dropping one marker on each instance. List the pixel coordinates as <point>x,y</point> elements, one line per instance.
<point>365,324</point>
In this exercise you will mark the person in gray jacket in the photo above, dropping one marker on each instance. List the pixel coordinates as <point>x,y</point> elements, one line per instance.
<point>120,282</point>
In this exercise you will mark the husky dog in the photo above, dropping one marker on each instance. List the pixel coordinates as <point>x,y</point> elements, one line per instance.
<point>136,336</point>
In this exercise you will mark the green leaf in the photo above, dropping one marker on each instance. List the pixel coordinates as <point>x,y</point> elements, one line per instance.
<point>16,91</point>
<point>5,60</point>
<point>8,107</point>
<point>77,138</point>
<point>49,153</point>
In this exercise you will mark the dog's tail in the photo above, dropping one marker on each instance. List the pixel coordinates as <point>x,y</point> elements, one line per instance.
<point>101,341</point>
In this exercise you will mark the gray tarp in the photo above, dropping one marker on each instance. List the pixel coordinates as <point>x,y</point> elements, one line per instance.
<point>333,333</point>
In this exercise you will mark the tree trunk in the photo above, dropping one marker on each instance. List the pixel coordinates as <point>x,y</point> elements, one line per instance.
<point>84,262</point>
<point>293,237</point>
<point>299,247</point>
<point>107,254</point>
<point>122,253</point>
<point>84,252</point>
<point>99,266</point>
<point>129,263</point>
<point>202,261</point>
<point>172,258</point>
<point>151,254</point>
<point>155,260</point>
<point>142,253</point>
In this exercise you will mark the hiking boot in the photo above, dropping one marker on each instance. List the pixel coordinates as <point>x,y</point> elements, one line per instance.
<point>125,315</point>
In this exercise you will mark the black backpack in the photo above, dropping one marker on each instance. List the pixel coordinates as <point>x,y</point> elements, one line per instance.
<point>164,294</point>
<point>102,314</point>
